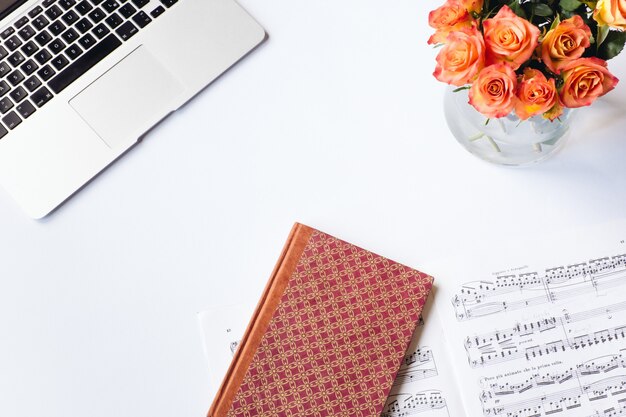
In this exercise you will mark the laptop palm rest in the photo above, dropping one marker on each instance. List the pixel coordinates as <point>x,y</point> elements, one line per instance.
<point>128,99</point>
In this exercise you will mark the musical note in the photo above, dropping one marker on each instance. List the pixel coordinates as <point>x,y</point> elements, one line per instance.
<point>505,345</point>
<point>418,364</point>
<point>400,405</point>
<point>567,399</point>
<point>514,292</point>
<point>596,366</point>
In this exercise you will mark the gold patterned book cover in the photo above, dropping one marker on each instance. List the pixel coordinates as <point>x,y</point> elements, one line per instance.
<point>328,335</point>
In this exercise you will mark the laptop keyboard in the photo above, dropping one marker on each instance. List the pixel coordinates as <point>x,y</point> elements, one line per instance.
<point>56,42</point>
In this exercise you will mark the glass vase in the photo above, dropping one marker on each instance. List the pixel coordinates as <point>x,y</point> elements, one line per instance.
<point>506,140</point>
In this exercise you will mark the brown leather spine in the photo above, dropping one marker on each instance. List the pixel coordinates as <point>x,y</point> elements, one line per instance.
<point>296,242</point>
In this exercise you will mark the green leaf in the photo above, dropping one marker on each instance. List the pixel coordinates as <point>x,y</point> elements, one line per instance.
<point>570,5</point>
<point>555,22</point>
<point>603,32</point>
<point>612,45</point>
<point>542,10</point>
<point>517,9</point>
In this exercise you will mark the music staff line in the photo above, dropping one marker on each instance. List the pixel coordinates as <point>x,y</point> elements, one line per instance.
<point>575,343</point>
<point>556,284</point>
<point>569,398</point>
<point>400,405</point>
<point>596,366</point>
<point>417,365</point>
<point>540,326</point>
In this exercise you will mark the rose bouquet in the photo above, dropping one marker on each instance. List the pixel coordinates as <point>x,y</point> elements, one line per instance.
<point>531,57</point>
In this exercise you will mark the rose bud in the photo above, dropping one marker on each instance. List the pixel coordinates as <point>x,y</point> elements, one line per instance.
<point>536,95</point>
<point>566,42</point>
<point>611,13</point>
<point>461,58</point>
<point>584,80</point>
<point>509,38</point>
<point>450,17</point>
<point>493,92</point>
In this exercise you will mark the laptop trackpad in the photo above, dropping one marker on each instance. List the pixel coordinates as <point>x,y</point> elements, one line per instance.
<point>128,99</point>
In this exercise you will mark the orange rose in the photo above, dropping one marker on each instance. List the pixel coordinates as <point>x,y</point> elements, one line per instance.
<point>493,92</point>
<point>509,38</point>
<point>450,17</point>
<point>461,58</point>
<point>475,6</point>
<point>536,95</point>
<point>611,13</point>
<point>584,80</point>
<point>565,43</point>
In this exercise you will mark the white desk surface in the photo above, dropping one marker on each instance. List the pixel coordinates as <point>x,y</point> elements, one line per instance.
<point>336,122</point>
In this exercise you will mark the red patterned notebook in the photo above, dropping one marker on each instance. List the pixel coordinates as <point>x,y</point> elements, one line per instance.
<point>328,335</point>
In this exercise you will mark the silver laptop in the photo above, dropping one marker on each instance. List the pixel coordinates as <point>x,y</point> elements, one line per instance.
<point>82,80</point>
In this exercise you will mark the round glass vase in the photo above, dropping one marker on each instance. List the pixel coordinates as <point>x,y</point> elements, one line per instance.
<point>506,140</point>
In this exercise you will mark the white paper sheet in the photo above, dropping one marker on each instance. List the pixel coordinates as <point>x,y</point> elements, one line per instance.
<point>540,330</point>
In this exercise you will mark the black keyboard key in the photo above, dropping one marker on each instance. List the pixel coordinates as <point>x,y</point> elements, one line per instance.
<point>3,131</point>
<point>5,105</point>
<point>127,10</point>
<point>43,56</point>
<point>126,31</point>
<point>7,32</point>
<point>32,83</point>
<point>3,52</point>
<point>11,120</point>
<point>70,17</point>
<point>18,94</point>
<point>140,3</point>
<point>60,62</point>
<point>87,41</point>
<point>56,46</point>
<point>110,5</point>
<point>35,11</point>
<point>157,12</point>
<point>43,38</point>
<point>40,22</point>
<point>21,22</point>
<point>67,4</point>
<point>30,48</point>
<point>70,35</point>
<point>100,31</point>
<point>46,72</point>
<point>84,7</point>
<point>142,19</point>
<point>95,2</point>
<point>84,63</point>
<point>114,20</point>
<point>25,109</point>
<point>57,28</point>
<point>16,59</point>
<point>4,88</point>
<point>4,69</point>
<point>83,25</point>
<point>47,3</point>
<point>97,15</point>
<point>73,51</point>
<point>26,32</point>
<point>41,96</point>
<point>13,43</point>
<point>15,77</point>
<point>168,3</point>
<point>29,67</point>
<point>54,12</point>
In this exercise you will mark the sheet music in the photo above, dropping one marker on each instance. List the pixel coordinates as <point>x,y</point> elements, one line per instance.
<point>221,328</point>
<point>424,386</point>
<point>543,334</point>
